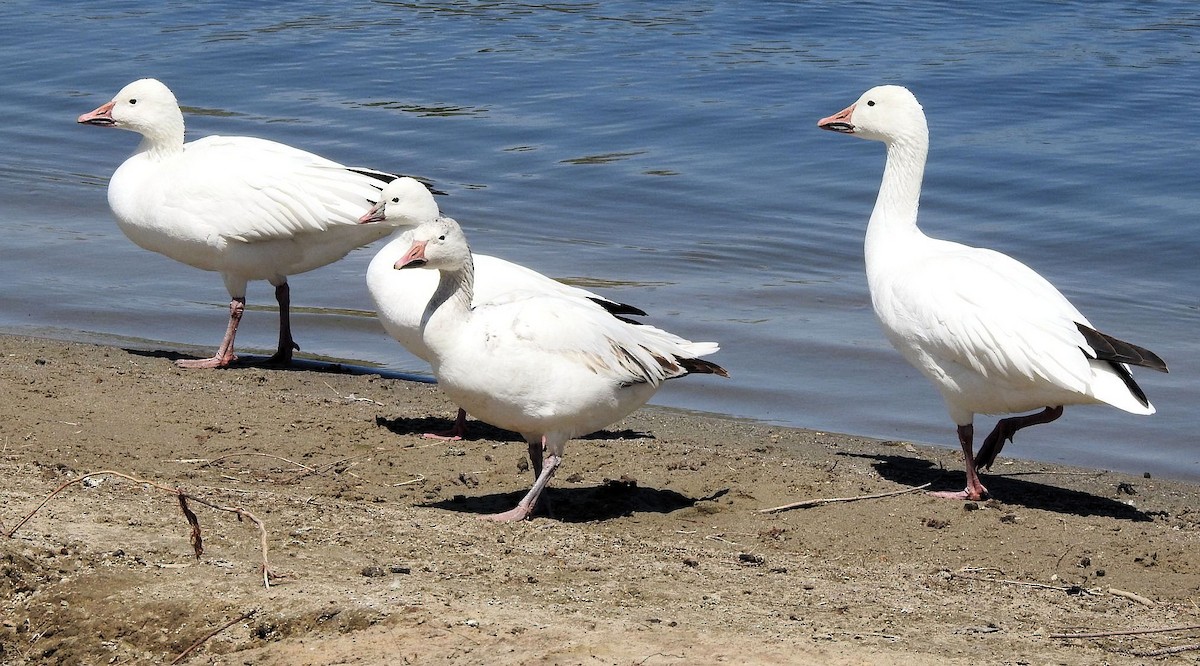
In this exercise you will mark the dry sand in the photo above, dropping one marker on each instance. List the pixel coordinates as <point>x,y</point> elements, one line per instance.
<point>655,552</point>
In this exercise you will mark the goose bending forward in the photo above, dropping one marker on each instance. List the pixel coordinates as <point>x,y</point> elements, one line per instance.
<point>993,335</point>
<point>247,208</point>
<point>546,366</point>
<point>401,296</point>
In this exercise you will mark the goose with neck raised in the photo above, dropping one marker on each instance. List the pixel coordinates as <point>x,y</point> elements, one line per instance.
<point>993,336</point>
<point>546,366</point>
<point>247,208</point>
<point>401,296</point>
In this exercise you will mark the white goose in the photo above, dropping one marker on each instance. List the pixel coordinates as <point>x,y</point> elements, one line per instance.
<point>400,296</point>
<point>546,366</point>
<point>993,335</point>
<point>247,208</point>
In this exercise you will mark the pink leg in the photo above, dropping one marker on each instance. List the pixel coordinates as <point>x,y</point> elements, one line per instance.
<point>528,503</point>
<point>283,353</point>
<point>454,434</point>
<point>1006,428</point>
<point>974,489</point>
<point>224,355</point>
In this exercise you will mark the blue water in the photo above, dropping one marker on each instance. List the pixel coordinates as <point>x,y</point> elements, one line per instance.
<point>664,153</point>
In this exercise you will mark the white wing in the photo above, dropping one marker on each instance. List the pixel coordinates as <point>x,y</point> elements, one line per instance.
<point>986,311</point>
<point>582,333</point>
<point>249,189</point>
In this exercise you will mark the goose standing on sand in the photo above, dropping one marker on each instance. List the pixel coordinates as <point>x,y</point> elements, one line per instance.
<point>546,366</point>
<point>993,335</point>
<point>400,296</point>
<point>247,208</point>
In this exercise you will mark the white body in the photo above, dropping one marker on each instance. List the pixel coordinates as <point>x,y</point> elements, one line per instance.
<point>401,295</point>
<point>991,334</point>
<point>547,365</point>
<point>247,208</point>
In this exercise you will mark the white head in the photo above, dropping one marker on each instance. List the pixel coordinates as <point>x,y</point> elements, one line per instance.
<point>440,244</point>
<point>404,202</point>
<point>884,113</point>
<point>145,106</point>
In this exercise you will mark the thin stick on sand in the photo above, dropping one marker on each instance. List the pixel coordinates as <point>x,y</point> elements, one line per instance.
<point>830,500</point>
<point>1022,583</point>
<point>1127,632</point>
<point>1165,651</point>
<point>183,497</point>
<point>244,616</point>
<point>254,453</point>
<point>1130,596</point>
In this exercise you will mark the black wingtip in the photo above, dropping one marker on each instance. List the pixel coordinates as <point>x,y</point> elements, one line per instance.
<point>701,367</point>
<point>1108,348</point>
<point>615,308</point>
<point>385,177</point>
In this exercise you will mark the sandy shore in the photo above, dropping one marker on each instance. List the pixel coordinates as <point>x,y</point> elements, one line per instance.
<point>656,552</point>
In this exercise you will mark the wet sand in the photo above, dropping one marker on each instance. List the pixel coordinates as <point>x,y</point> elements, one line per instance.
<point>655,551</point>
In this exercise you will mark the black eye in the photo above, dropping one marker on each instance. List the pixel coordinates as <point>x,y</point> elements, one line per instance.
<point>133,101</point>
<point>395,199</point>
<point>442,237</point>
<point>870,102</point>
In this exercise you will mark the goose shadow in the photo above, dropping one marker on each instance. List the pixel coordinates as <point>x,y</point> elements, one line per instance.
<point>478,430</point>
<point>258,362</point>
<point>614,498</point>
<point>1007,488</point>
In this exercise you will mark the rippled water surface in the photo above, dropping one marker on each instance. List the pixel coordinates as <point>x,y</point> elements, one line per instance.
<point>664,153</point>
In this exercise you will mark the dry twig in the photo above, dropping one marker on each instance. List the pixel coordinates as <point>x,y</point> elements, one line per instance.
<point>183,497</point>
<point>1165,651</point>
<point>1131,596</point>
<point>254,453</point>
<point>1005,581</point>
<point>325,468</point>
<point>353,397</point>
<point>244,616</point>
<point>1127,632</point>
<point>829,500</point>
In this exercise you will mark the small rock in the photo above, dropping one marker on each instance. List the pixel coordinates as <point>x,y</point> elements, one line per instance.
<point>971,506</point>
<point>400,569</point>
<point>373,571</point>
<point>751,559</point>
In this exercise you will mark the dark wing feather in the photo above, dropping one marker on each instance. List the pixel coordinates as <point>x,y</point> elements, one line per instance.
<point>1108,348</point>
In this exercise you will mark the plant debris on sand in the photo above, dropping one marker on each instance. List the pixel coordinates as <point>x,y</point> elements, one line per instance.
<point>655,550</point>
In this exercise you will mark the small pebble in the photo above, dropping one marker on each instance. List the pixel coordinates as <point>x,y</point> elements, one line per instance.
<point>373,572</point>
<point>751,559</point>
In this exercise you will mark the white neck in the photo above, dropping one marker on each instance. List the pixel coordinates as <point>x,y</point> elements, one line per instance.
<point>893,222</point>
<point>448,309</point>
<point>165,140</point>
